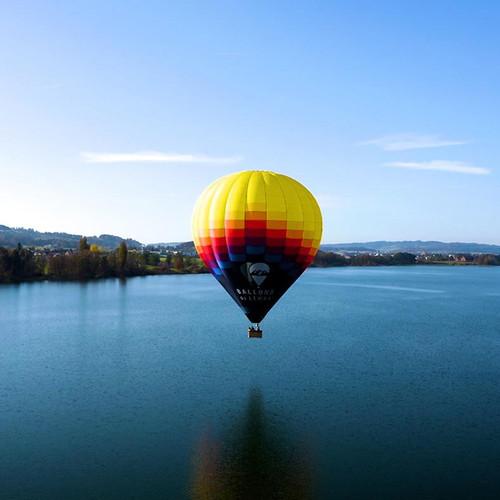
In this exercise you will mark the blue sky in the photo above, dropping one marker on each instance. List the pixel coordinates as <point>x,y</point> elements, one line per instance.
<point>115,115</point>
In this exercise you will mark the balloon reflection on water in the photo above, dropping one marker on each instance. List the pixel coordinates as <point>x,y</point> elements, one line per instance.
<point>254,459</point>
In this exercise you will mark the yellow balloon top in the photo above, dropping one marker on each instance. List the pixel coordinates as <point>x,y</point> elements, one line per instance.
<point>247,212</point>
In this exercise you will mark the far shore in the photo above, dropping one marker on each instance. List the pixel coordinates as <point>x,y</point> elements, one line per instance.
<point>90,262</point>
<point>46,279</point>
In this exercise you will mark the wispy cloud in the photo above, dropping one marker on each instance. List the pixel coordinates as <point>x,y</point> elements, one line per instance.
<point>328,201</point>
<point>404,142</point>
<point>154,157</point>
<point>441,165</point>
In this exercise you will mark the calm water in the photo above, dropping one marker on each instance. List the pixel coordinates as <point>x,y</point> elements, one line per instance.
<point>369,383</point>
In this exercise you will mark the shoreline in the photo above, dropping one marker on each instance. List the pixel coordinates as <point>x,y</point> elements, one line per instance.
<point>41,279</point>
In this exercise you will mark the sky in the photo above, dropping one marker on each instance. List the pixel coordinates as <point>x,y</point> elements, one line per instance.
<point>114,116</point>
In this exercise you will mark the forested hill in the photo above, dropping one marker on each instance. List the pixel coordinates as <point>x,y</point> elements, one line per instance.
<point>10,237</point>
<point>383,247</point>
<point>416,247</point>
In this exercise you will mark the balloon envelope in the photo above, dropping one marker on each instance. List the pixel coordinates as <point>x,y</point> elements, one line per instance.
<point>257,231</point>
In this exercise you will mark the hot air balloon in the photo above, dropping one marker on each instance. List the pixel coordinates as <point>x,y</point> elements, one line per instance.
<point>257,232</point>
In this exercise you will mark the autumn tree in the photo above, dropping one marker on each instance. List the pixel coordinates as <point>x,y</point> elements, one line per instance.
<point>84,244</point>
<point>178,262</point>
<point>122,257</point>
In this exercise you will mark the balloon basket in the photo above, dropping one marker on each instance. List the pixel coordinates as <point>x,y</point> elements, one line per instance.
<point>254,332</point>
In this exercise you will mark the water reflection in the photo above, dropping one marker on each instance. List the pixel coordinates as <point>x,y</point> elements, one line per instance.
<point>82,311</point>
<point>122,305</point>
<point>254,459</point>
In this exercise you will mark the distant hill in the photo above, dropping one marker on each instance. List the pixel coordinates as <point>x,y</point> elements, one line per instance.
<point>10,237</point>
<point>186,247</point>
<point>416,247</point>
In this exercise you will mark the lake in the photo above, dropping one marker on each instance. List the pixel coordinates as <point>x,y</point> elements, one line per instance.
<point>379,383</point>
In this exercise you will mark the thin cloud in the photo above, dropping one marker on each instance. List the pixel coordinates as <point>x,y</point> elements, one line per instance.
<point>154,157</point>
<point>404,142</point>
<point>441,165</point>
<point>328,201</point>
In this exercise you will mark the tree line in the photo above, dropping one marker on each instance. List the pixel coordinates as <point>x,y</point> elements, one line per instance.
<point>90,262</point>
<point>330,259</point>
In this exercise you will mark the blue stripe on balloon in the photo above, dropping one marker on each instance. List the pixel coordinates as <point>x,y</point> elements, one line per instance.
<point>255,250</point>
<point>237,257</point>
<point>273,257</point>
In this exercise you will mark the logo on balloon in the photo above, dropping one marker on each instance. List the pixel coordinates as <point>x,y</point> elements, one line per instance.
<point>257,272</point>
